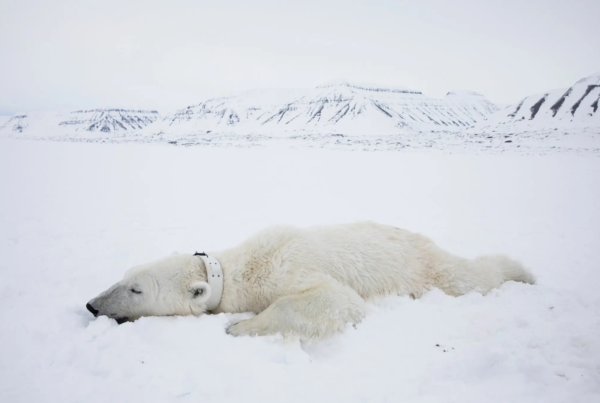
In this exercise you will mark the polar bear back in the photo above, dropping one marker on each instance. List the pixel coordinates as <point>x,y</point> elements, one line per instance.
<point>372,259</point>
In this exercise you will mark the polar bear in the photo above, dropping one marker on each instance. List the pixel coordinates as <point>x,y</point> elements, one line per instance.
<point>305,282</point>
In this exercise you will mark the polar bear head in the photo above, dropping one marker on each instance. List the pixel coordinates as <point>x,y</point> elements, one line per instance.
<point>175,285</point>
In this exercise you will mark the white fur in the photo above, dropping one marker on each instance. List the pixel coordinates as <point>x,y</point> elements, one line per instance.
<point>306,282</point>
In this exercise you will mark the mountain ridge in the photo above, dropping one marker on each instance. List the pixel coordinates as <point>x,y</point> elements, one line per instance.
<point>90,121</point>
<point>339,107</point>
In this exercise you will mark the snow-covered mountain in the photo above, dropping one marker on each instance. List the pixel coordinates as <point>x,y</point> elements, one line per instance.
<point>84,122</point>
<point>360,109</point>
<point>334,108</point>
<point>575,107</point>
<point>16,123</point>
<point>226,112</point>
<point>110,120</point>
<point>340,108</point>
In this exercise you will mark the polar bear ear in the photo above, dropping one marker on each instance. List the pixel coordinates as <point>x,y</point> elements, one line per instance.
<point>200,291</point>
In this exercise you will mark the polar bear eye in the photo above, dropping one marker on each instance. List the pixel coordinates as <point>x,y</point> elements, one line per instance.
<point>133,290</point>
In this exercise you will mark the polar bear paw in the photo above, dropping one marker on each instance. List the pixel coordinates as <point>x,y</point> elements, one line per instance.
<point>244,328</point>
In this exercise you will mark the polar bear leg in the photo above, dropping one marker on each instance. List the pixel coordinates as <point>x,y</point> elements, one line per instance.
<point>316,311</point>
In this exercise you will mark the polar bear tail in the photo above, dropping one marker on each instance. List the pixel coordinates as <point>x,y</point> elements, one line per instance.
<point>508,268</point>
<point>481,274</point>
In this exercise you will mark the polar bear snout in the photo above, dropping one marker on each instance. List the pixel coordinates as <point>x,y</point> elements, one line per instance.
<point>96,312</point>
<point>93,310</point>
<point>116,303</point>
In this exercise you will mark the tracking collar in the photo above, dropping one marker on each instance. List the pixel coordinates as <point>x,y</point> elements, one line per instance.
<point>214,276</point>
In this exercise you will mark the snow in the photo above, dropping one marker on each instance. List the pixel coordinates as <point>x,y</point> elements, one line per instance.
<point>76,216</point>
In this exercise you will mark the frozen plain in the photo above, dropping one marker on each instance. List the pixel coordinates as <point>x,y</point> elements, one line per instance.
<point>74,217</point>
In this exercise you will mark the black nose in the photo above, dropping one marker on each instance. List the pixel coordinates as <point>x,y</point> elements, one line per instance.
<point>92,310</point>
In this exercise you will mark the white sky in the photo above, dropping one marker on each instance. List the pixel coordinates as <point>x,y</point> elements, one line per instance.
<point>66,55</point>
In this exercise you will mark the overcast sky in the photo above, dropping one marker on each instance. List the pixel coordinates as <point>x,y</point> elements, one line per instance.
<point>66,55</point>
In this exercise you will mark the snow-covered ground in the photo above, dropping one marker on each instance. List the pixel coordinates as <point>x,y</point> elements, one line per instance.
<point>582,141</point>
<point>74,217</point>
